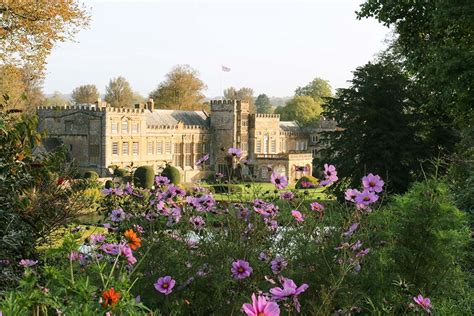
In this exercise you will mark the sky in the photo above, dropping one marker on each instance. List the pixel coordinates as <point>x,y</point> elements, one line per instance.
<point>271,46</point>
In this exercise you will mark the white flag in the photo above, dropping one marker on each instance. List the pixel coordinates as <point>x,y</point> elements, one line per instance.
<point>226,69</point>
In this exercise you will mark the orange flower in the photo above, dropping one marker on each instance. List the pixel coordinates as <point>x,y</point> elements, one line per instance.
<point>110,297</point>
<point>133,240</point>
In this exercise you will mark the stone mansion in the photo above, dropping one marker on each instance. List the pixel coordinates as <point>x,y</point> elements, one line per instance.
<point>98,136</point>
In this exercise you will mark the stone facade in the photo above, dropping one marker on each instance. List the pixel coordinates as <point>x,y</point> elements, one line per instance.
<point>98,136</point>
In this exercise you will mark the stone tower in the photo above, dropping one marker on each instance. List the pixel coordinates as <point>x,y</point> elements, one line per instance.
<point>229,128</point>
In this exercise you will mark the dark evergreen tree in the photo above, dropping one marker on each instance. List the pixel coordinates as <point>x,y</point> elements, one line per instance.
<point>377,131</point>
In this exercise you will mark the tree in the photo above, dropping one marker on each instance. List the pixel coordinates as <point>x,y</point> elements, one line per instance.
<point>182,90</point>
<point>86,94</point>
<point>19,88</point>
<point>29,29</point>
<point>435,40</point>
<point>57,99</point>
<point>303,109</point>
<point>244,93</point>
<point>318,89</point>
<point>263,104</point>
<point>377,131</point>
<point>118,93</point>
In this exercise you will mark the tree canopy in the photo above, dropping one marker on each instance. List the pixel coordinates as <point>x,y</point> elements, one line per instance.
<point>85,94</point>
<point>118,93</point>
<point>29,29</point>
<point>263,104</point>
<point>243,93</point>
<point>57,99</point>
<point>377,129</point>
<point>19,88</point>
<point>318,89</point>
<point>303,109</point>
<point>182,90</point>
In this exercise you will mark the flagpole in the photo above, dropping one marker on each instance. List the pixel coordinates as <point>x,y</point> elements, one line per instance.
<point>222,91</point>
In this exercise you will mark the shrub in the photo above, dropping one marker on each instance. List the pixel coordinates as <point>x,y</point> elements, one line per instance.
<point>144,177</point>
<point>109,184</point>
<point>227,188</point>
<point>91,175</point>
<point>306,182</point>
<point>172,173</point>
<point>120,172</point>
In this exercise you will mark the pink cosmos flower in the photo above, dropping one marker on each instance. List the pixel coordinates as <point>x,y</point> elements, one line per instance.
<point>261,307</point>
<point>111,249</point>
<point>202,160</point>
<point>366,197</point>
<point>315,206</point>
<point>241,269</point>
<point>165,285</point>
<point>330,173</point>
<point>197,222</point>
<point>279,181</point>
<point>287,195</point>
<point>28,263</point>
<point>127,253</point>
<point>351,230</point>
<point>423,302</point>
<point>289,290</point>
<point>161,180</point>
<point>297,215</point>
<point>351,194</point>
<point>278,264</point>
<point>363,253</point>
<point>372,183</point>
<point>97,238</point>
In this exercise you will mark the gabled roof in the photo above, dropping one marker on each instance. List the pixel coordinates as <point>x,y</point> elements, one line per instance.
<point>172,117</point>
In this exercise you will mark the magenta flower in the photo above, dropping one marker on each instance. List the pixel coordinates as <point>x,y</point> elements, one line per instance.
<point>127,253</point>
<point>279,181</point>
<point>219,175</point>
<point>372,183</point>
<point>261,307</point>
<point>197,222</point>
<point>297,215</point>
<point>287,195</point>
<point>234,152</point>
<point>362,253</point>
<point>330,173</point>
<point>289,290</point>
<point>351,194</point>
<point>366,197</point>
<point>241,269</point>
<point>97,238</point>
<point>161,180</point>
<point>423,302</point>
<point>74,256</point>
<point>278,264</point>
<point>165,285</point>
<point>111,249</point>
<point>202,160</point>
<point>315,206</point>
<point>28,263</point>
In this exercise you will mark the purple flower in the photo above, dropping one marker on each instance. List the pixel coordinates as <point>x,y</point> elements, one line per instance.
<point>74,256</point>
<point>315,206</point>
<point>138,228</point>
<point>128,190</point>
<point>241,269</point>
<point>366,197</point>
<point>202,160</point>
<point>271,224</point>
<point>373,183</point>
<point>423,302</point>
<point>351,194</point>
<point>113,191</point>
<point>28,263</point>
<point>165,285</point>
<point>306,184</point>
<point>161,180</point>
<point>234,152</point>
<point>111,249</point>
<point>287,195</point>
<point>278,264</point>
<point>263,256</point>
<point>203,203</point>
<point>261,307</point>
<point>219,175</point>
<point>289,290</point>
<point>279,181</point>
<point>297,215</point>
<point>351,230</point>
<point>117,215</point>
<point>356,245</point>
<point>330,173</point>
<point>197,222</point>
<point>362,253</point>
<point>97,238</point>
